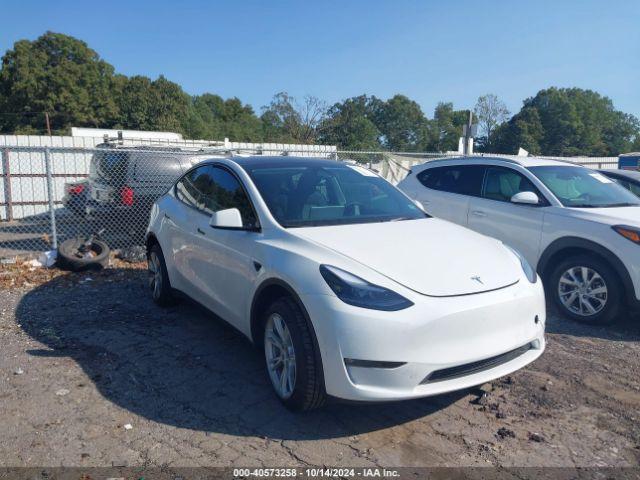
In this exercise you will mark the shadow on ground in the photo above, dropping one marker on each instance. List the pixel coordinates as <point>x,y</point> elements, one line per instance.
<point>627,328</point>
<point>182,366</point>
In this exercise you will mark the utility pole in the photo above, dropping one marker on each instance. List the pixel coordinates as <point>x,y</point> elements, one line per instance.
<point>468,133</point>
<point>46,119</point>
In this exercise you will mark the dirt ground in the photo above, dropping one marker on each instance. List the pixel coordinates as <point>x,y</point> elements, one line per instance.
<point>92,373</point>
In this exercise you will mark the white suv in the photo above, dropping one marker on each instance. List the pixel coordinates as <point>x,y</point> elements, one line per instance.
<point>580,229</point>
<point>351,290</point>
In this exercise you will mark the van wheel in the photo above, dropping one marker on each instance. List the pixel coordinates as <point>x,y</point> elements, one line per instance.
<point>159,284</point>
<point>293,366</point>
<point>586,289</point>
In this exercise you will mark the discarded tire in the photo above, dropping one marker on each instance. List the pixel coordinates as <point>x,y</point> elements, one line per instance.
<point>79,254</point>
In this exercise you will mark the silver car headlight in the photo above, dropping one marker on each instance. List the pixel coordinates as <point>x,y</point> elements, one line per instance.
<point>528,270</point>
<point>360,293</point>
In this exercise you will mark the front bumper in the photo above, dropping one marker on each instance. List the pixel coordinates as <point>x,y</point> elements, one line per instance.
<point>436,334</point>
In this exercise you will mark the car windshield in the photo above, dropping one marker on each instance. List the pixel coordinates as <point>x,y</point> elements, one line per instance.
<point>580,187</point>
<point>307,195</point>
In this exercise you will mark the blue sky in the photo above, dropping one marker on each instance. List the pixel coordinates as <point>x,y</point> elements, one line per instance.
<point>428,50</point>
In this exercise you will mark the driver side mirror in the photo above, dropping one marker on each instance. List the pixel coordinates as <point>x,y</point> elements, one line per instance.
<point>526,198</point>
<point>229,218</point>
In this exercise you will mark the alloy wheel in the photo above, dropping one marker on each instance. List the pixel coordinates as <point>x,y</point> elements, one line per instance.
<point>582,291</point>
<point>280,355</point>
<point>155,275</point>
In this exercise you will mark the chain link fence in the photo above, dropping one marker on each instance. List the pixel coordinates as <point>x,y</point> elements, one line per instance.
<point>50,194</point>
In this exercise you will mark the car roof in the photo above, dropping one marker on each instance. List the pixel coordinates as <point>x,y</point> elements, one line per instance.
<point>630,174</point>
<point>249,163</point>
<point>525,162</point>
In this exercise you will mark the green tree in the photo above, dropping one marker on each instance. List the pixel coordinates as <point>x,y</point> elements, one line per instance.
<point>567,122</point>
<point>134,99</point>
<point>401,123</point>
<point>524,130</point>
<point>240,122</point>
<point>446,127</point>
<point>145,104</point>
<point>170,106</point>
<point>59,74</point>
<point>215,118</point>
<point>349,125</point>
<point>490,112</point>
<point>287,120</point>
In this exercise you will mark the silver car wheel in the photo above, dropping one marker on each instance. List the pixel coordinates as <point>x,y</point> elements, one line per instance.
<point>582,291</point>
<point>280,355</point>
<point>155,275</point>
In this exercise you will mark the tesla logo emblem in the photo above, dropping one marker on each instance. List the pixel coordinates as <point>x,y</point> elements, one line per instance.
<point>477,279</point>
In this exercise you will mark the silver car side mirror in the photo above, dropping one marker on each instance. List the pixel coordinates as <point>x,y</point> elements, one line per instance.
<point>229,218</point>
<point>526,198</point>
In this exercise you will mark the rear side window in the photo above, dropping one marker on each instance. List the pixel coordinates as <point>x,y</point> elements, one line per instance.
<point>186,190</point>
<point>461,179</point>
<point>503,183</point>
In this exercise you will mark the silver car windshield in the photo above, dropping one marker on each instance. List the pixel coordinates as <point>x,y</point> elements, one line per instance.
<point>580,187</point>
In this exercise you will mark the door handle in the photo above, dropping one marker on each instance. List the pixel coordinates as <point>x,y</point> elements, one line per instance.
<point>478,213</point>
<point>200,231</point>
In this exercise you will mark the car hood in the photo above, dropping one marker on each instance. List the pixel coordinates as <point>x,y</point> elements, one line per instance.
<point>431,256</point>
<point>610,216</point>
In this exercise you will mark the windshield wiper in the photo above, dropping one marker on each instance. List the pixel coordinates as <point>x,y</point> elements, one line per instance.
<point>625,204</point>
<point>610,205</point>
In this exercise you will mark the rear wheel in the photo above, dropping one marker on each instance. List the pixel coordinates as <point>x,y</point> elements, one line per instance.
<point>293,365</point>
<point>586,289</point>
<point>158,281</point>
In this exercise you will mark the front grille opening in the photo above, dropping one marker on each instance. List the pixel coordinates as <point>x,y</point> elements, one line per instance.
<point>476,367</point>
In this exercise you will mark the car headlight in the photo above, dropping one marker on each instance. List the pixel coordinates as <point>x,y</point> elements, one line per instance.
<point>528,270</point>
<point>360,293</point>
<point>630,233</point>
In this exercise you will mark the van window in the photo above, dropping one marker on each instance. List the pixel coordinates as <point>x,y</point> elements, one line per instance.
<point>109,167</point>
<point>157,168</point>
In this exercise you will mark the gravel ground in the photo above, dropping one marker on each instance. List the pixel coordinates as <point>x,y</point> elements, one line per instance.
<point>92,373</point>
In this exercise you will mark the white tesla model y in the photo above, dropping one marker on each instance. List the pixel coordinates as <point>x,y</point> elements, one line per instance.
<point>351,290</point>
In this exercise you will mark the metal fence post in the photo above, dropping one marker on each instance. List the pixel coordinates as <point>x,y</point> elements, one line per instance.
<point>6,169</point>
<point>50,194</point>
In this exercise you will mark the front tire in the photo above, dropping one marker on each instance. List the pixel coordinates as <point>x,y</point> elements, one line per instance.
<point>586,289</point>
<point>292,362</point>
<point>159,284</point>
